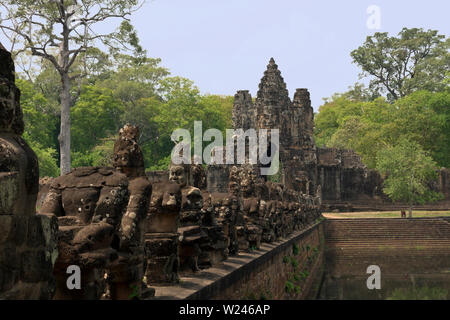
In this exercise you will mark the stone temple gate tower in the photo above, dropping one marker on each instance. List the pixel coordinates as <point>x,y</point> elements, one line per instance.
<point>273,109</point>
<point>340,173</point>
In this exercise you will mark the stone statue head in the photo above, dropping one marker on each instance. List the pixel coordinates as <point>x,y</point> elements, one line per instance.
<point>192,198</point>
<point>198,173</point>
<point>179,173</point>
<point>242,181</point>
<point>233,182</point>
<point>128,157</point>
<point>247,187</point>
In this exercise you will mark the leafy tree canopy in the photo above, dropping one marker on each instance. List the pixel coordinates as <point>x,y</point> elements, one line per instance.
<point>414,60</point>
<point>408,170</point>
<point>369,126</point>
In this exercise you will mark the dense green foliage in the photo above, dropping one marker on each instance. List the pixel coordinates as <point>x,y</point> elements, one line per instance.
<point>408,172</point>
<point>127,90</point>
<point>64,34</point>
<point>414,60</point>
<point>370,126</point>
<point>413,70</point>
<point>405,134</point>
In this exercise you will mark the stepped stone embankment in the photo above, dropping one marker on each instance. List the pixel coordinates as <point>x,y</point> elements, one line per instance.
<point>410,252</point>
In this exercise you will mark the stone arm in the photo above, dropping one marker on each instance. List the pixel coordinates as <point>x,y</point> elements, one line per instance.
<point>130,227</point>
<point>53,203</point>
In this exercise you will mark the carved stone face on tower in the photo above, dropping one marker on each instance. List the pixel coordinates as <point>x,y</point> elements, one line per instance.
<point>272,88</point>
<point>273,109</point>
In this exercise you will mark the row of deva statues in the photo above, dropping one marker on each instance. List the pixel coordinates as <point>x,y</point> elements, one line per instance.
<point>128,234</point>
<point>125,234</point>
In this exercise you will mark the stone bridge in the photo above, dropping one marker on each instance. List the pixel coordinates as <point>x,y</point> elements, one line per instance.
<point>331,263</point>
<point>190,233</point>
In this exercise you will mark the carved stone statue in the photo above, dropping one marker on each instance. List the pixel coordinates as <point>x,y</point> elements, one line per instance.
<point>89,203</point>
<point>100,212</point>
<point>128,157</point>
<point>161,234</point>
<point>244,183</point>
<point>27,241</point>
<point>209,239</point>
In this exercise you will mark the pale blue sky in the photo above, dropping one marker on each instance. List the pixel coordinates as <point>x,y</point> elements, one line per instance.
<point>225,45</point>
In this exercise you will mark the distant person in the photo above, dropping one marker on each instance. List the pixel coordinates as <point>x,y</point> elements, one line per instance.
<point>403,214</point>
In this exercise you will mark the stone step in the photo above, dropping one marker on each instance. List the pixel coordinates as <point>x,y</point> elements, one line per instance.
<point>393,232</point>
<point>400,246</point>
<point>402,228</point>
<point>388,245</point>
<point>351,222</point>
<point>389,241</point>
<point>377,252</point>
<point>388,251</point>
<point>442,224</point>
<point>443,248</point>
<point>437,226</point>
<point>364,230</point>
<point>400,249</point>
<point>358,258</point>
<point>387,238</point>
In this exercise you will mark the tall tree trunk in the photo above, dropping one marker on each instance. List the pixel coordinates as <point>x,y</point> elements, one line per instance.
<point>64,134</point>
<point>410,211</point>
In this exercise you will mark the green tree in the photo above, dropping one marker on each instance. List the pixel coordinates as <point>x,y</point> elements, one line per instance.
<point>423,117</point>
<point>100,155</point>
<point>414,60</point>
<point>408,170</point>
<point>48,166</point>
<point>95,116</point>
<point>136,83</point>
<point>352,124</point>
<point>134,78</point>
<point>40,127</point>
<point>40,122</point>
<point>369,126</point>
<point>217,111</point>
<point>60,31</point>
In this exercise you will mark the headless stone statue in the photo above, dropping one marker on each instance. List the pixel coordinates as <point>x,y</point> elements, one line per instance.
<point>161,236</point>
